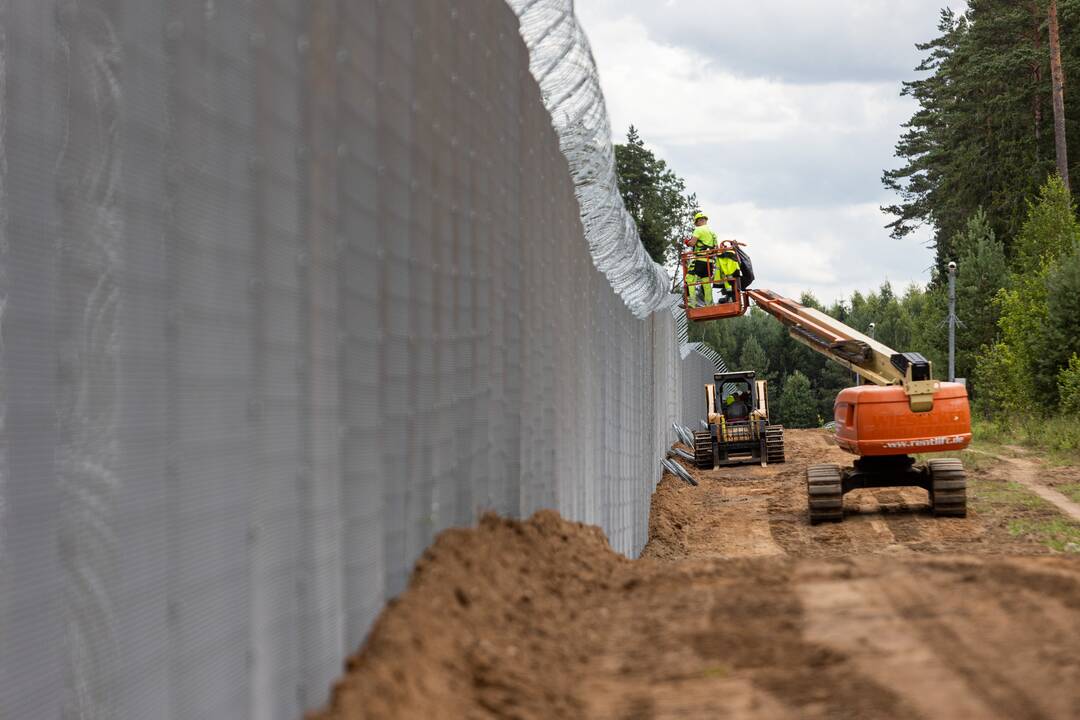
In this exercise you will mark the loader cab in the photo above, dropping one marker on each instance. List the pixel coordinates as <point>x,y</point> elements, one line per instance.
<point>737,397</point>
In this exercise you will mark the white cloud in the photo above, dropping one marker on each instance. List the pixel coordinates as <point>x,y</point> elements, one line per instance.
<point>686,100</point>
<point>830,251</point>
<point>781,116</point>
<point>793,40</point>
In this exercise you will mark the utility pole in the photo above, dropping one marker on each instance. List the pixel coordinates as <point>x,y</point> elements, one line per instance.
<point>952,322</point>
<point>1057,74</point>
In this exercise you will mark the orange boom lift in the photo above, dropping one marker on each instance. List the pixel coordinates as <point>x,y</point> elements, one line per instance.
<point>739,302</point>
<point>901,410</point>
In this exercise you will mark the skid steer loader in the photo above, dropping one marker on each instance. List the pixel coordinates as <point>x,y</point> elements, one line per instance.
<point>739,431</point>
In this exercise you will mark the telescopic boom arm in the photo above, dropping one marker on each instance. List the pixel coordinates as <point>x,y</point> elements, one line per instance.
<point>875,362</point>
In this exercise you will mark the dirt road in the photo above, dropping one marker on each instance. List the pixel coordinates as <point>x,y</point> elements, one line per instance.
<point>739,608</point>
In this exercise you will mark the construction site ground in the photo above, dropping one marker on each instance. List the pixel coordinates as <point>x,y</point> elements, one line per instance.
<point>739,608</point>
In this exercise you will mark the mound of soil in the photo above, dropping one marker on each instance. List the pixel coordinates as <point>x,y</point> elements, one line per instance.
<point>739,608</point>
<point>487,627</point>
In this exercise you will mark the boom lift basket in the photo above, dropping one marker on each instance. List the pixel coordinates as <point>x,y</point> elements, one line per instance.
<point>734,304</point>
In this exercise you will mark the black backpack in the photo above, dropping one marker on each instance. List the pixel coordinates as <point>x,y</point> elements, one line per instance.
<point>747,269</point>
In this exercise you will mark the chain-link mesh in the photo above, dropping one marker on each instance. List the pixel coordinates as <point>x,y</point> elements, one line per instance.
<point>286,288</point>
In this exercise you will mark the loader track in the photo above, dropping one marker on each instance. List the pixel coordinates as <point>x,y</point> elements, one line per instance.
<point>703,450</point>
<point>774,444</point>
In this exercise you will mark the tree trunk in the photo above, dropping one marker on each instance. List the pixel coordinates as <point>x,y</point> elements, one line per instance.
<point>1058,75</point>
<point>1037,76</point>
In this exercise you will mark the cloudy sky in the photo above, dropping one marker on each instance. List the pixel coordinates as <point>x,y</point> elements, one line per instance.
<point>781,115</point>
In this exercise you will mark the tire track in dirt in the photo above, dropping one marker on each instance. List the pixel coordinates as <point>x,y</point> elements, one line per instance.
<point>951,635</point>
<point>962,648</point>
<point>725,639</point>
<point>853,616</point>
<point>739,608</point>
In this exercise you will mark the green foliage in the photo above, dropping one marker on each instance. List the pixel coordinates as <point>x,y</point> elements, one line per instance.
<point>1039,311</point>
<point>753,357</point>
<point>1023,314</point>
<point>982,271</point>
<point>983,132</point>
<point>1059,434</point>
<point>798,408</point>
<point>990,432</point>
<point>1069,387</point>
<point>1060,338</point>
<point>997,379</point>
<point>1050,230</point>
<point>1056,437</point>
<point>654,196</point>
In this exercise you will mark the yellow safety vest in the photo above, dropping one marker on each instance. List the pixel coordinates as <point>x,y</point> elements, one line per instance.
<point>705,239</point>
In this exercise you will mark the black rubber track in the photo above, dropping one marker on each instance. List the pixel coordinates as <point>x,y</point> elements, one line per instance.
<point>703,450</point>
<point>774,444</point>
<point>948,493</point>
<point>825,493</point>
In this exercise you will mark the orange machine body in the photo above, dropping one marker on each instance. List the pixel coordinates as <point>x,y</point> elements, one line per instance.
<point>877,420</point>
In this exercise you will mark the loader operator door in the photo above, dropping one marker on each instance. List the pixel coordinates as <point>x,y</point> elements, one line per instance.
<point>736,398</point>
<point>737,406</point>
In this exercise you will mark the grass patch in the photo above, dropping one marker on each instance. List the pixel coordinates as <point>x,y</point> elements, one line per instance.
<point>990,495</point>
<point>1056,439</point>
<point>719,671</point>
<point>979,460</point>
<point>1055,533</point>
<point>1041,522</point>
<point>992,432</point>
<point>1071,491</point>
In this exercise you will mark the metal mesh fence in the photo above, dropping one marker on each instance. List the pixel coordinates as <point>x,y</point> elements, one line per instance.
<point>286,288</point>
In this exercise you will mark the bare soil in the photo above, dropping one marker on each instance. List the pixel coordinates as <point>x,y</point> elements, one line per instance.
<point>738,608</point>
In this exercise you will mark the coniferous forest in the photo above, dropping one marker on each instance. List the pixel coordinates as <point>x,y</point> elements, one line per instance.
<point>982,167</point>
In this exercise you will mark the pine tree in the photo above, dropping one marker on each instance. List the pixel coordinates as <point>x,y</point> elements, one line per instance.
<point>923,144</point>
<point>798,409</point>
<point>753,357</point>
<point>982,272</point>
<point>654,196</point>
<point>980,135</point>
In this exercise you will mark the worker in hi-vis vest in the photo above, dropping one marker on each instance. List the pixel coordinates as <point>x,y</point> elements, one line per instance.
<point>727,265</point>
<point>704,241</point>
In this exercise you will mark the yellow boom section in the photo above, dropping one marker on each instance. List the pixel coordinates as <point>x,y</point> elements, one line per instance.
<point>873,361</point>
